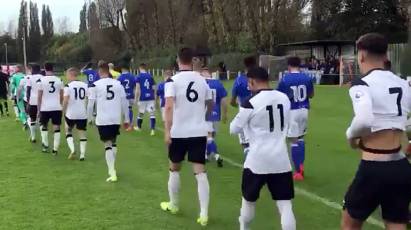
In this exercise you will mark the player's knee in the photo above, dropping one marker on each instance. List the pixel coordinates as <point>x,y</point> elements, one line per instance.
<point>349,223</point>
<point>174,167</point>
<point>198,168</point>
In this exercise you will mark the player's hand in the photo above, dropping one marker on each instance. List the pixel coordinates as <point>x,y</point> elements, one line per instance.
<point>167,138</point>
<point>354,143</point>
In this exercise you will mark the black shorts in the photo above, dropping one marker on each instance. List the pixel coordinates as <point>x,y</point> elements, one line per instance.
<point>195,147</point>
<point>385,184</point>
<point>32,110</point>
<point>280,185</point>
<point>79,124</point>
<point>108,132</point>
<point>54,116</point>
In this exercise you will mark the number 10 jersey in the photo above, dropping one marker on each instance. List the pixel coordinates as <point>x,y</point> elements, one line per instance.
<point>190,92</point>
<point>77,93</point>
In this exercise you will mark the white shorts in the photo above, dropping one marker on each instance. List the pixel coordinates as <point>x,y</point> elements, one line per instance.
<point>147,106</point>
<point>298,123</point>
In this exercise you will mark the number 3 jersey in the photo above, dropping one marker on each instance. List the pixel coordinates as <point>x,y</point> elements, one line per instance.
<point>298,87</point>
<point>190,92</point>
<point>77,93</point>
<point>110,97</point>
<point>265,119</point>
<point>52,88</point>
<point>381,101</point>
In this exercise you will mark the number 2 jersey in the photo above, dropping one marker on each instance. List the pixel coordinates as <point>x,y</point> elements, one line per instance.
<point>77,92</point>
<point>298,87</point>
<point>110,97</point>
<point>190,92</point>
<point>129,83</point>
<point>265,119</point>
<point>52,88</point>
<point>381,101</point>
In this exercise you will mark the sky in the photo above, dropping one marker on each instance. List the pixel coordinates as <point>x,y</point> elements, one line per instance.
<point>9,11</point>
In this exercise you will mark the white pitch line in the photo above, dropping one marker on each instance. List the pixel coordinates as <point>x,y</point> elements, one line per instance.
<point>309,195</point>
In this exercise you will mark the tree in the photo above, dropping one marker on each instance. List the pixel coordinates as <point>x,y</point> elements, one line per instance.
<point>34,41</point>
<point>92,18</point>
<point>63,25</point>
<point>83,19</point>
<point>22,31</point>
<point>47,24</point>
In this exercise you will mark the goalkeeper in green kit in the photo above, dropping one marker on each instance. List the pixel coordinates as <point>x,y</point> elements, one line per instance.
<point>18,106</point>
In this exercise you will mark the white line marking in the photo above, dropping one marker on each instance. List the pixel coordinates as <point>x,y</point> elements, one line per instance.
<point>309,195</point>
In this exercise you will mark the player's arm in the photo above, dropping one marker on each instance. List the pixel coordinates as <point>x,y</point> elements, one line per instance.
<point>91,102</point>
<point>363,115</point>
<point>39,99</point>
<point>66,98</point>
<point>242,118</point>
<point>311,89</point>
<point>224,109</point>
<point>169,94</point>
<point>124,107</point>
<point>234,95</point>
<point>138,92</point>
<point>28,89</point>
<point>209,101</point>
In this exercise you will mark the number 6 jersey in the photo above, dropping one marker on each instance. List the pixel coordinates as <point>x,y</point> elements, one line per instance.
<point>190,92</point>
<point>381,101</point>
<point>265,119</point>
<point>52,88</point>
<point>77,92</point>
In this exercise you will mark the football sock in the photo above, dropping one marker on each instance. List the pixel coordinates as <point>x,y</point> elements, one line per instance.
<point>33,130</point>
<point>16,111</point>
<point>211,146</point>
<point>247,214</point>
<point>152,122</point>
<point>83,146</point>
<point>6,106</point>
<point>56,140</point>
<point>296,156</point>
<point>44,137</point>
<point>70,142</point>
<point>130,114</point>
<point>174,188</point>
<point>110,159</point>
<point>139,122</point>
<point>287,216</point>
<point>203,193</point>
<point>114,146</point>
<point>301,144</point>
<point>1,109</point>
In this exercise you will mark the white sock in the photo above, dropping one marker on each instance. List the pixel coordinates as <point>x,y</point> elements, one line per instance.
<point>33,130</point>
<point>217,156</point>
<point>16,111</point>
<point>247,214</point>
<point>110,159</point>
<point>56,140</point>
<point>203,193</point>
<point>285,208</point>
<point>174,188</point>
<point>83,146</point>
<point>70,143</point>
<point>45,137</point>
<point>115,150</point>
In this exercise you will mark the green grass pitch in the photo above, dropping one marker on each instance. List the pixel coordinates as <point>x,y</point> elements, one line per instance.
<point>39,191</point>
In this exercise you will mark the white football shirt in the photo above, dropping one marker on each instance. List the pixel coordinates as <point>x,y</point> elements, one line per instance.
<point>33,81</point>
<point>265,119</point>
<point>23,86</point>
<point>77,93</point>
<point>110,97</point>
<point>381,101</point>
<point>52,87</point>
<point>190,92</point>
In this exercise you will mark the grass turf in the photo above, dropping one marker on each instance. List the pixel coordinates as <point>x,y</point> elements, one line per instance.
<point>39,191</point>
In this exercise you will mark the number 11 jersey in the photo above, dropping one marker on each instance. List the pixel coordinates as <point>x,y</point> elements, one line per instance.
<point>190,92</point>
<point>77,92</point>
<point>109,95</point>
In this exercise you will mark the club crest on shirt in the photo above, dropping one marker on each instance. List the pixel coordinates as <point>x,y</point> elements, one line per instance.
<point>358,95</point>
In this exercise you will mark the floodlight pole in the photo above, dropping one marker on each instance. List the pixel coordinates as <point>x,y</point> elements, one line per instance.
<point>24,48</point>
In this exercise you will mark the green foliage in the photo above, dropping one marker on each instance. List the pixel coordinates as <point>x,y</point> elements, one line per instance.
<point>22,30</point>
<point>406,61</point>
<point>70,48</point>
<point>47,24</point>
<point>83,19</point>
<point>34,42</point>
<point>245,43</point>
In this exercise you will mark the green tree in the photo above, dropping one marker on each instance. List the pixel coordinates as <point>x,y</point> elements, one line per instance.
<point>22,30</point>
<point>83,19</point>
<point>47,24</point>
<point>34,42</point>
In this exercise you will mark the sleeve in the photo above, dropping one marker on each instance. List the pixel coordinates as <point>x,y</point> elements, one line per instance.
<point>169,90</point>
<point>241,119</point>
<point>310,86</point>
<point>281,87</point>
<point>223,91</point>
<point>363,115</point>
<point>39,83</point>
<point>158,93</point>
<point>66,91</point>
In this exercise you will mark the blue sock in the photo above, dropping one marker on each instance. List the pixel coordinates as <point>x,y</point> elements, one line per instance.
<point>130,114</point>
<point>301,145</point>
<point>211,146</point>
<point>139,122</point>
<point>296,156</point>
<point>152,123</point>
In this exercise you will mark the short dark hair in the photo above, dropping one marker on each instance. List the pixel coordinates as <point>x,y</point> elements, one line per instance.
<point>294,61</point>
<point>250,62</point>
<point>89,65</point>
<point>102,65</point>
<point>125,65</point>
<point>258,73</point>
<point>143,65</point>
<point>185,55</point>
<point>35,68</point>
<point>373,43</point>
<point>48,66</point>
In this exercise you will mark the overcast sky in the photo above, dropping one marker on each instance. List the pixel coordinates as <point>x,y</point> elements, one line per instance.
<point>9,11</point>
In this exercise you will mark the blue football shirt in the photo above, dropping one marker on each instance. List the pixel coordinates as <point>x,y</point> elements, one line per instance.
<point>298,87</point>
<point>240,88</point>
<point>160,93</point>
<point>147,84</point>
<point>128,81</point>
<point>219,92</point>
<point>92,76</point>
